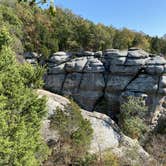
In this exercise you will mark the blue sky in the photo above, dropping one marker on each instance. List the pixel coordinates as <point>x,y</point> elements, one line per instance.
<point>148,16</point>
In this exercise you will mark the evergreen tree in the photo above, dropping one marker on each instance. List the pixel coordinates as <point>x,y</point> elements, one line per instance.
<point>21,111</point>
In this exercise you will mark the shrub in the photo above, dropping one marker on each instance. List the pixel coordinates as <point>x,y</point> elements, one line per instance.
<point>134,127</point>
<point>131,119</point>
<point>33,76</point>
<point>107,158</point>
<point>110,159</point>
<point>21,112</point>
<point>75,134</point>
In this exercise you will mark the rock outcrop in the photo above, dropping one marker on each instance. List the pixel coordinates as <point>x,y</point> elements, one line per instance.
<point>31,57</point>
<point>106,134</point>
<point>91,78</point>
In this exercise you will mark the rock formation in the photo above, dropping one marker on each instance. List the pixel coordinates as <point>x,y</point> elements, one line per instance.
<point>109,77</point>
<point>106,134</point>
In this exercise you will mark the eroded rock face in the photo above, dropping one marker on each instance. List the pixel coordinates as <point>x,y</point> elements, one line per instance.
<point>110,75</point>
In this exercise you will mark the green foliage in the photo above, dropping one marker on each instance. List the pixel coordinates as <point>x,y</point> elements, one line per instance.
<point>21,112</point>
<point>88,160</point>
<point>110,159</point>
<point>5,38</point>
<point>131,118</point>
<point>140,41</point>
<point>75,134</point>
<point>35,29</point>
<point>107,158</point>
<point>134,127</point>
<point>33,76</point>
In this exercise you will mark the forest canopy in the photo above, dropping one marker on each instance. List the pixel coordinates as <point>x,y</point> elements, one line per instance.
<point>36,29</point>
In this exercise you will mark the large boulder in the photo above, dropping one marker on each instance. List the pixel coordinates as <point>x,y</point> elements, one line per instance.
<point>59,57</point>
<point>31,57</point>
<point>94,66</point>
<point>137,53</point>
<point>106,134</point>
<point>76,65</point>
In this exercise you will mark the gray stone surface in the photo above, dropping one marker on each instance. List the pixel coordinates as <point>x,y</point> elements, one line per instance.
<point>61,53</point>
<point>54,82</point>
<point>144,83</point>
<point>87,99</point>
<point>94,66</point>
<point>124,70</point>
<point>76,65</point>
<point>117,83</point>
<point>137,54</point>
<point>58,69</point>
<point>135,62</point>
<point>162,85</point>
<point>157,60</point>
<point>71,84</point>
<point>88,53</point>
<point>90,77</point>
<point>98,54</point>
<point>58,59</point>
<point>92,81</point>
<point>106,134</point>
<point>155,69</point>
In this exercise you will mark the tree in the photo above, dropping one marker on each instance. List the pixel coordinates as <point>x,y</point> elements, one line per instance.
<point>75,134</point>
<point>33,28</point>
<point>52,8</point>
<point>102,37</point>
<point>33,2</point>
<point>123,39</point>
<point>141,41</point>
<point>21,112</point>
<point>131,119</point>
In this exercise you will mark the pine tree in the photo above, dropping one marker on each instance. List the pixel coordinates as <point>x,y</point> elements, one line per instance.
<point>21,111</point>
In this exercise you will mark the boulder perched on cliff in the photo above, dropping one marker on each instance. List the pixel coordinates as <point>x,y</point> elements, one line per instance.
<point>31,57</point>
<point>59,57</point>
<point>90,79</point>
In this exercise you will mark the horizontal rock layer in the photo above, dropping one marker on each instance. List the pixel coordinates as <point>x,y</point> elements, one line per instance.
<point>92,77</point>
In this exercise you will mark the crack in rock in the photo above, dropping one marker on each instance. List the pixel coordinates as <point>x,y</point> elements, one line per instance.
<point>143,75</point>
<point>134,78</point>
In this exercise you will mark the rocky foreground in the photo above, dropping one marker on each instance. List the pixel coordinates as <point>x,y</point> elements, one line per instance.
<point>106,133</point>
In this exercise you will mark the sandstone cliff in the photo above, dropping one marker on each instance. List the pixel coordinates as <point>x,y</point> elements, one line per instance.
<point>105,79</point>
